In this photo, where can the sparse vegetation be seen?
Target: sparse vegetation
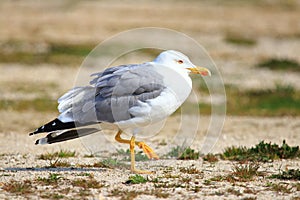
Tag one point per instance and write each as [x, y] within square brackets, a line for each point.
[234, 191]
[189, 154]
[96, 164]
[240, 172]
[59, 154]
[282, 100]
[86, 183]
[280, 64]
[279, 187]
[139, 156]
[163, 143]
[52, 196]
[89, 155]
[182, 153]
[190, 170]
[55, 53]
[126, 194]
[18, 187]
[297, 186]
[263, 152]
[278, 101]
[55, 159]
[66, 154]
[112, 162]
[136, 179]
[240, 40]
[84, 192]
[64, 54]
[290, 174]
[32, 87]
[245, 172]
[90, 175]
[57, 162]
[52, 179]
[210, 158]
[40, 104]
[175, 152]
[106, 163]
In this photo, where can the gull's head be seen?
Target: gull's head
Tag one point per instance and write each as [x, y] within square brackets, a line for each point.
[180, 61]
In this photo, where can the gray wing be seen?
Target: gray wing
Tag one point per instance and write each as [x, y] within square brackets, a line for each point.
[120, 88]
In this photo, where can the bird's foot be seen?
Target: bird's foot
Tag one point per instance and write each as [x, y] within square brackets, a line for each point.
[148, 151]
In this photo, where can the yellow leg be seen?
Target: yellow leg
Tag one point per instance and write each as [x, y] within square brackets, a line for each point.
[121, 140]
[132, 155]
[149, 152]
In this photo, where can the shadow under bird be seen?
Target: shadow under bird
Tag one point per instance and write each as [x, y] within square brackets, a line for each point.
[127, 97]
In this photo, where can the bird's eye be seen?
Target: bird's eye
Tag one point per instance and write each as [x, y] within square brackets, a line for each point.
[180, 61]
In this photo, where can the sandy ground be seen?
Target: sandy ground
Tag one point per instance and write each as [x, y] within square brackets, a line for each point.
[275, 26]
[19, 161]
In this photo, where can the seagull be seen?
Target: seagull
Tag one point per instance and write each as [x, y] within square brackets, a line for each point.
[127, 97]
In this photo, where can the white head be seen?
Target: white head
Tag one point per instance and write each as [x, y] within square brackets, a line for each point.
[179, 60]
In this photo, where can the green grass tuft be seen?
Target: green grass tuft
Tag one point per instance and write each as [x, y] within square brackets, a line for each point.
[182, 153]
[66, 154]
[263, 152]
[240, 172]
[235, 153]
[245, 172]
[189, 154]
[136, 179]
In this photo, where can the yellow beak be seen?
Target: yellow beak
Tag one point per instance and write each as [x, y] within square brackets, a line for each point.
[200, 70]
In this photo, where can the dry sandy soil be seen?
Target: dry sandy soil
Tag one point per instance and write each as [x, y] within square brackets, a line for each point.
[275, 26]
[20, 161]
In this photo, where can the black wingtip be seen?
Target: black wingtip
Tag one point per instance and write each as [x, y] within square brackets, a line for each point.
[38, 130]
[53, 125]
[64, 136]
